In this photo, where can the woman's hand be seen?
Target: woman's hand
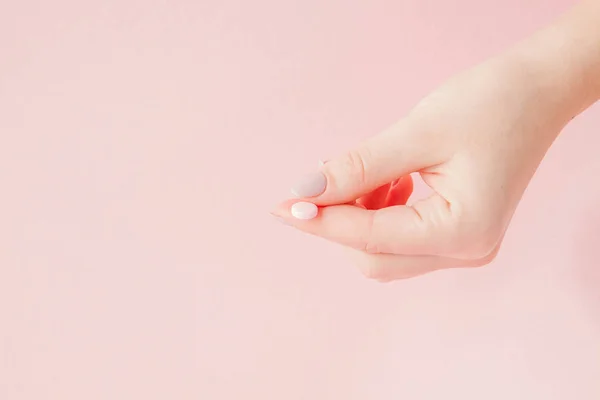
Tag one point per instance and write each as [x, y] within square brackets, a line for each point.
[476, 141]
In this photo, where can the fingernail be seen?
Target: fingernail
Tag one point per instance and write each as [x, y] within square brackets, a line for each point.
[310, 186]
[304, 210]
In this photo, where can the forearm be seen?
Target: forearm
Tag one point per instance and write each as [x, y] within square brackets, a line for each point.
[564, 60]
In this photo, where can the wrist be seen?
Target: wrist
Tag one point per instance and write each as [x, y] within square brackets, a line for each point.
[563, 61]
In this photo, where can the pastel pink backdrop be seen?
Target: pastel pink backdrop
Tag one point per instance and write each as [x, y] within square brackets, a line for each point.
[142, 146]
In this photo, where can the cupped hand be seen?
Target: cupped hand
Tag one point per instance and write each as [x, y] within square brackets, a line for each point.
[476, 142]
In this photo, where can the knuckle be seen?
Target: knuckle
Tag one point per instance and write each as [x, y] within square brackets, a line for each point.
[371, 248]
[371, 268]
[356, 164]
[375, 272]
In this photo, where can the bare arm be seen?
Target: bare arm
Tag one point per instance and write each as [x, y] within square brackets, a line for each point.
[565, 58]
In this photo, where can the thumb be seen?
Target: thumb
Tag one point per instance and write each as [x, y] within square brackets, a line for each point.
[398, 151]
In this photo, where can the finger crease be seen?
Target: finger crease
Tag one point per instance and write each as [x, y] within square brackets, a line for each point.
[359, 163]
[369, 246]
[418, 214]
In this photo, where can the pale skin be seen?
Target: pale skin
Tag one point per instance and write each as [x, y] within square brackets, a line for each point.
[476, 141]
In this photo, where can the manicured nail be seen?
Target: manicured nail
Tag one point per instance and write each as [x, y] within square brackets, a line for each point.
[304, 210]
[310, 186]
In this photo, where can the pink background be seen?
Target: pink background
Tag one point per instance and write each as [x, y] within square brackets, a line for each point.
[142, 146]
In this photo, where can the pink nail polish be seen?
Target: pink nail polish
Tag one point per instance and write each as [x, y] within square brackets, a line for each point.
[310, 186]
[304, 210]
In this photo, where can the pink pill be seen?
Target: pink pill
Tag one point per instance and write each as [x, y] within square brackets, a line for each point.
[304, 210]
